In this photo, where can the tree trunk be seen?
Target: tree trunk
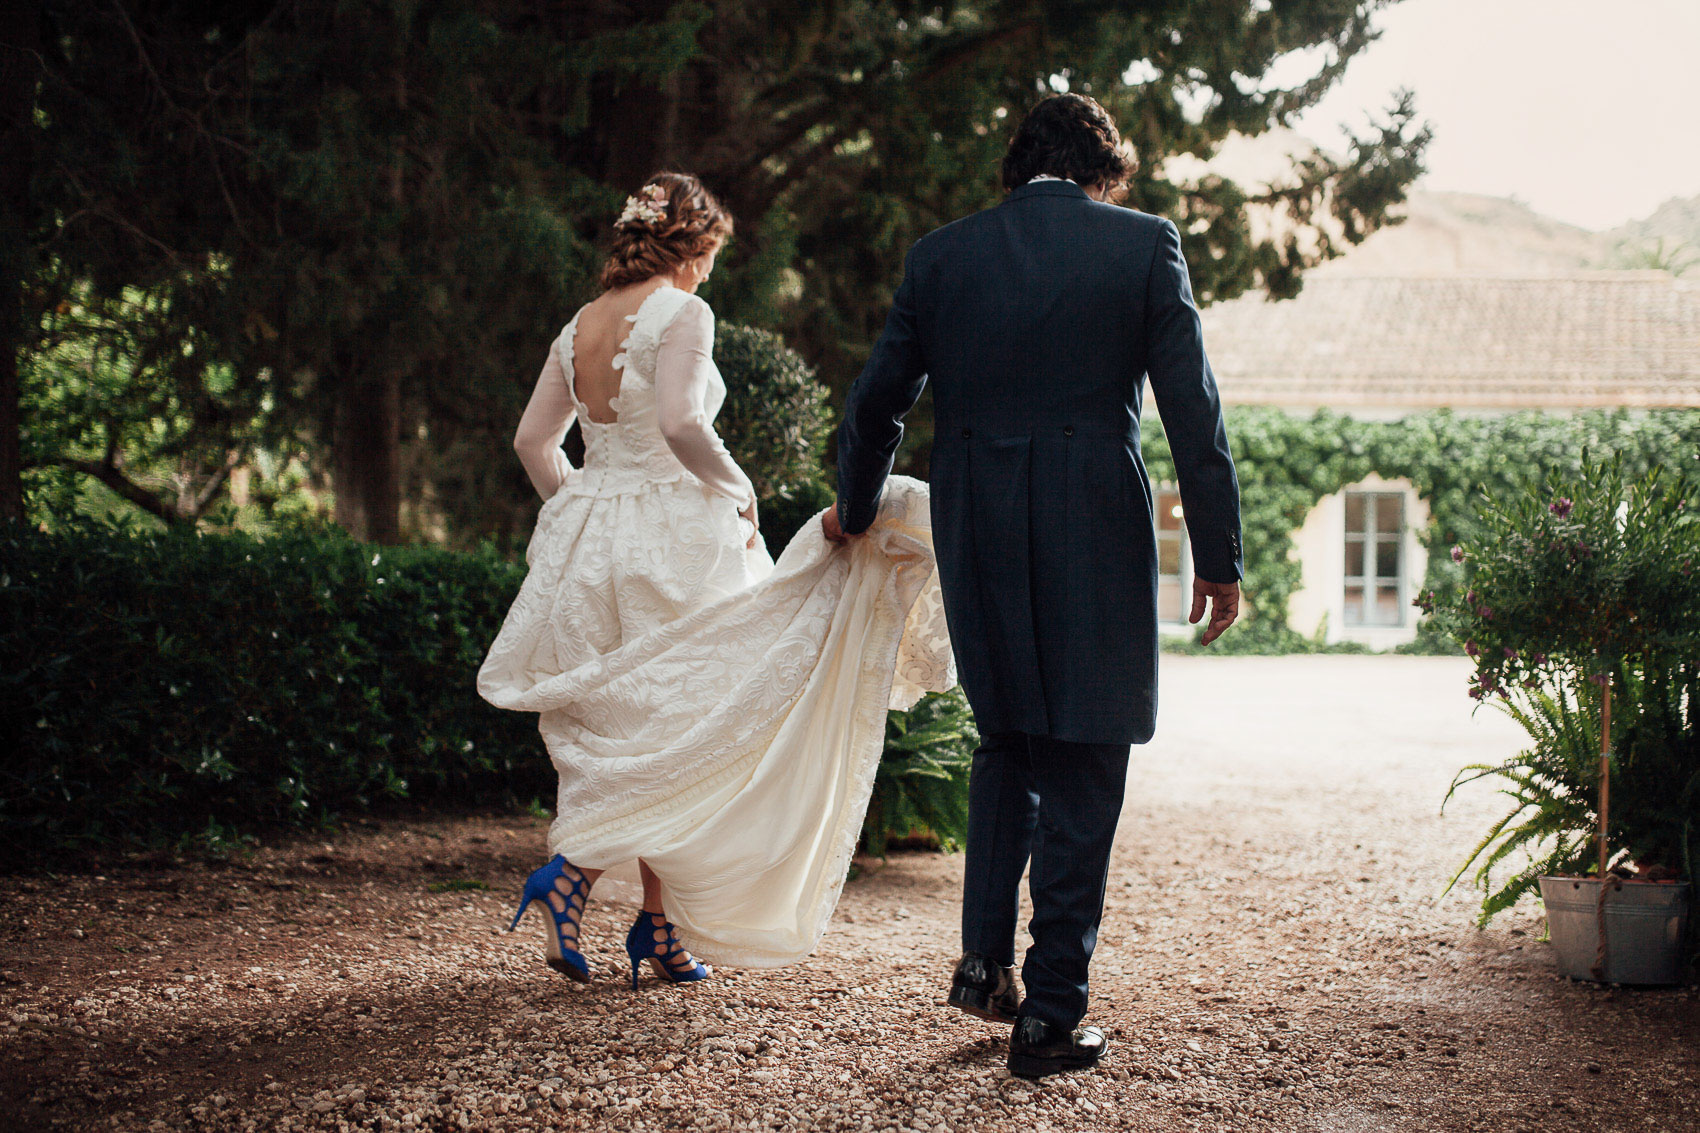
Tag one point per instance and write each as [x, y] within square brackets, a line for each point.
[366, 432]
[366, 452]
[11, 414]
[20, 68]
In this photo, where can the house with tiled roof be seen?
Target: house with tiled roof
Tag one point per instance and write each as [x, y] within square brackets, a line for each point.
[1379, 346]
[1384, 347]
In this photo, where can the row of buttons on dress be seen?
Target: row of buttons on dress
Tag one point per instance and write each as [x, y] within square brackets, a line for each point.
[1067, 431]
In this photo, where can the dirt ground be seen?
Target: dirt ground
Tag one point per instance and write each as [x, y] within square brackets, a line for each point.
[1275, 955]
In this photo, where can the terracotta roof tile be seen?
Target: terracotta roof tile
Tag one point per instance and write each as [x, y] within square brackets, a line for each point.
[1628, 338]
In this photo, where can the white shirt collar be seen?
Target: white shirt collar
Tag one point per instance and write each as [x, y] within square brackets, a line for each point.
[1048, 177]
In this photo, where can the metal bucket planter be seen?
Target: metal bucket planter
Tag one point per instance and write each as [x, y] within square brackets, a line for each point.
[1645, 922]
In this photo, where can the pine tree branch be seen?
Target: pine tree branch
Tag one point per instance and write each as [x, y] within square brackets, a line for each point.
[108, 473]
[95, 210]
[147, 59]
[856, 106]
[193, 118]
[971, 49]
[209, 491]
[801, 166]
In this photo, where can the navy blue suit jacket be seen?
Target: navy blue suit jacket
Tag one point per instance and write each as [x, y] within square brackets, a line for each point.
[1038, 322]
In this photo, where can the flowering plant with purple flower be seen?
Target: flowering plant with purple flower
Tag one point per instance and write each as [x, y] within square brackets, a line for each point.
[1573, 594]
[1572, 579]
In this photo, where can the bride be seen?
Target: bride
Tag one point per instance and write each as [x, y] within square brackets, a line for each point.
[711, 714]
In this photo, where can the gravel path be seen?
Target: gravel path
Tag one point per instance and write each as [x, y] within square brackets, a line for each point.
[1275, 955]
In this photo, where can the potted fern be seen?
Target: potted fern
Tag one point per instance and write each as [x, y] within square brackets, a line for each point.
[1580, 605]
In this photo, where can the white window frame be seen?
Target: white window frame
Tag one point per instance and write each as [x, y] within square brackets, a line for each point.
[1371, 537]
[1185, 577]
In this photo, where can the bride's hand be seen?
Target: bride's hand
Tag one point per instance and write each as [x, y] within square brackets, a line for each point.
[749, 513]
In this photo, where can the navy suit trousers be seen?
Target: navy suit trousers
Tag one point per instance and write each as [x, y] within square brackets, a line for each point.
[1055, 803]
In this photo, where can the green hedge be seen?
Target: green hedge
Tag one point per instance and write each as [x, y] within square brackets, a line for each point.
[164, 687]
[181, 690]
[1287, 463]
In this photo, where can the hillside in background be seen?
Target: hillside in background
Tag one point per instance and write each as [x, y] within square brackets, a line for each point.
[1671, 235]
[1471, 234]
[1450, 233]
[1676, 219]
[1467, 233]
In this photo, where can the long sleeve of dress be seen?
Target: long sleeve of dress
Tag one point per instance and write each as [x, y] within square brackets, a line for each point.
[682, 368]
[544, 424]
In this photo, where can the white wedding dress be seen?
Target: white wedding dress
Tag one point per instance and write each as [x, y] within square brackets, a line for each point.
[711, 712]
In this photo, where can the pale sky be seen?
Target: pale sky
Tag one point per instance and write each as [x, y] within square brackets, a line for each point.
[1589, 110]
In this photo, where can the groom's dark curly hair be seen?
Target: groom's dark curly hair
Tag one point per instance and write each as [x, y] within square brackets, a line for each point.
[1072, 136]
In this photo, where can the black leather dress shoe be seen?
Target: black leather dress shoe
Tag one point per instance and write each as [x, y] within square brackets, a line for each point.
[984, 988]
[1036, 1048]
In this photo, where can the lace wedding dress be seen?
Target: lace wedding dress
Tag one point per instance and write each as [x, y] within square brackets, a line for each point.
[714, 713]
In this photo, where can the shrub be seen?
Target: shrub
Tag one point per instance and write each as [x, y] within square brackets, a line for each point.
[775, 423]
[1579, 592]
[159, 685]
[783, 516]
[921, 789]
[1566, 581]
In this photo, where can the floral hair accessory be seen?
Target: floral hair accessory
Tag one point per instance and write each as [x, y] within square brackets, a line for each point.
[648, 208]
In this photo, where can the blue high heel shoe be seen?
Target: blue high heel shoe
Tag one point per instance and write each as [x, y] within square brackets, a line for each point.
[538, 888]
[641, 945]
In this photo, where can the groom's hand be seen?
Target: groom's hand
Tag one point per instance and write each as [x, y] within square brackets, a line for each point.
[1224, 600]
[831, 528]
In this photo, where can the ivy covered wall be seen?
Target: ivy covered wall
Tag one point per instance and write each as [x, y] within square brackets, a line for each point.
[1287, 463]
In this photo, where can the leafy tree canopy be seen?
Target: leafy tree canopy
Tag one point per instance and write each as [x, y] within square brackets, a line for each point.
[840, 137]
[384, 210]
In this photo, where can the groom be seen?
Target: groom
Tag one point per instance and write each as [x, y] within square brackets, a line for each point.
[1038, 322]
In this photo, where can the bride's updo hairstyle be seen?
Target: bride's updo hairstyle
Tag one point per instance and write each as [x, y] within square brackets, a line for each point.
[672, 220]
[1073, 137]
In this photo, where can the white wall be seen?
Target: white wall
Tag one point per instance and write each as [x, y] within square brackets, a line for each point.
[1319, 546]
